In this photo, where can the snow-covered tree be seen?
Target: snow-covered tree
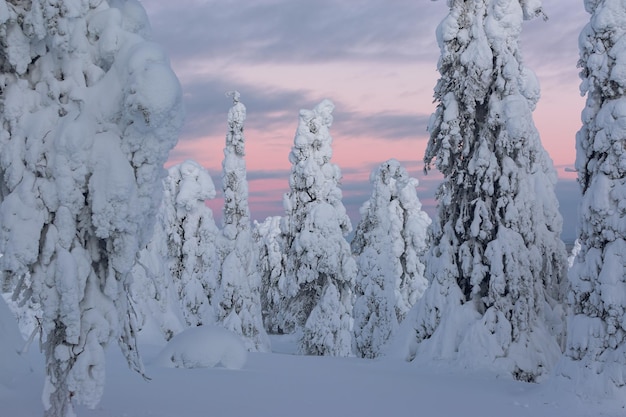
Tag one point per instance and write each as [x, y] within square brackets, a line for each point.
[595, 356]
[389, 240]
[320, 269]
[238, 301]
[192, 239]
[84, 134]
[496, 262]
[176, 275]
[267, 236]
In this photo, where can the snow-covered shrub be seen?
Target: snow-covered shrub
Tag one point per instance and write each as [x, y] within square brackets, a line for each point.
[90, 110]
[237, 300]
[389, 240]
[496, 264]
[203, 347]
[320, 269]
[595, 356]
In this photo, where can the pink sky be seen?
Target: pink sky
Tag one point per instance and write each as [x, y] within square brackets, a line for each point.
[375, 62]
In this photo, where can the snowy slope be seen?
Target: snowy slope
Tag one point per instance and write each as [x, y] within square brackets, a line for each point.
[282, 384]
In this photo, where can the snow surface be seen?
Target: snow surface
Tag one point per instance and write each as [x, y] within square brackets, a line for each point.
[283, 384]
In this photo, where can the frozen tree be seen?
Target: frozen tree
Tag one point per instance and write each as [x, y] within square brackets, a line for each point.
[267, 236]
[496, 262]
[319, 269]
[192, 239]
[84, 134]
[595, 356]
[177, 272]
[238, 302]
[388, 242]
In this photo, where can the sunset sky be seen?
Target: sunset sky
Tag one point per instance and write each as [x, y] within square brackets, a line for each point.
[375, 59]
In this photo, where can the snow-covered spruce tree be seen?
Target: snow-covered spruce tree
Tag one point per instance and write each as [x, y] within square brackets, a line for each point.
[192, 239]
[186, 239]
[388, 242]
[595, 356]
[238, 301]
[496, 262]
[84, 134]
[320, 269]
[267, 236]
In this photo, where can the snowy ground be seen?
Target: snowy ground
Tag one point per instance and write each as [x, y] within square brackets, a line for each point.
[282, 384]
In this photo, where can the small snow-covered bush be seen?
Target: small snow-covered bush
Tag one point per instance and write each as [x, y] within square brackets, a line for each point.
[204, 347]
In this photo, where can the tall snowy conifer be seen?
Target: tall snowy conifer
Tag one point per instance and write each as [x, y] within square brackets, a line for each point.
[238, 302]
[496, 262]
[595, 356]
[84, 134]
[388, 242]
[320, 270]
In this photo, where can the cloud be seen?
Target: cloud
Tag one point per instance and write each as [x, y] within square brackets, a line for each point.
[207, 105]
[271, 108]
[295, 30]
[385, 126]
[220, 45]
[278, 174]
[551, 47]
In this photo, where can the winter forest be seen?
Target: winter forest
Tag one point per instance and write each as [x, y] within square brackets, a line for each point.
[101, 245]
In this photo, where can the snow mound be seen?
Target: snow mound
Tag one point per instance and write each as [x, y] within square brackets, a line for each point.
[203, 347]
